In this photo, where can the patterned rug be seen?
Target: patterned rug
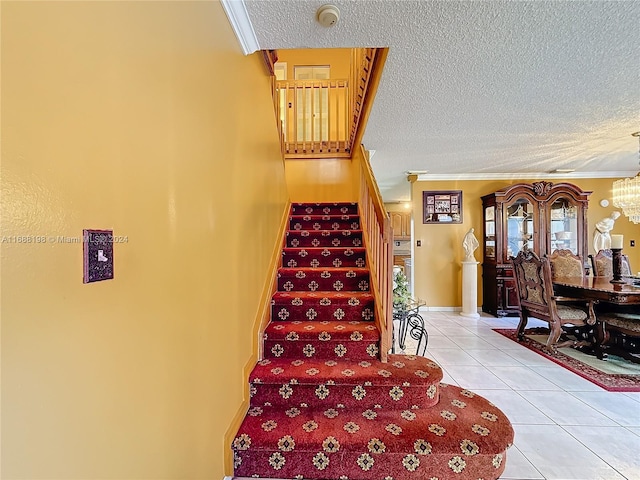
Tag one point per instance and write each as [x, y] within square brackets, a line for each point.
[324, 406]
[614, 374]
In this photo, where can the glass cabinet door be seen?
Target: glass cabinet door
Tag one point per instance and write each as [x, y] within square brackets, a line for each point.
[564, 225]
[490, 232]
[520, 227]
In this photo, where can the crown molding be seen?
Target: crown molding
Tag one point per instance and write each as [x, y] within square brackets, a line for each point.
[523, 176]
[239, 18]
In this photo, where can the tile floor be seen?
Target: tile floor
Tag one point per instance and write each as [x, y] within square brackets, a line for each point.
[566, 427]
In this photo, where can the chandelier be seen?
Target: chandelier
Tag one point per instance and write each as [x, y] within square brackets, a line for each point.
[626, 193]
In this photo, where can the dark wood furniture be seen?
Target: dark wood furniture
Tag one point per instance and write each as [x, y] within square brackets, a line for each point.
[540, 217]
[618, 314]
[602, 264]
[536, 297]
[564, 263]
[619, 334]
[598, 288]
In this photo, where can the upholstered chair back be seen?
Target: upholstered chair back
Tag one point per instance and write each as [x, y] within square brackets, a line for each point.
[564, 263]
[602, 263]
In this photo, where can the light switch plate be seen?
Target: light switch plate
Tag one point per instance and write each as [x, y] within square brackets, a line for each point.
[98, 255]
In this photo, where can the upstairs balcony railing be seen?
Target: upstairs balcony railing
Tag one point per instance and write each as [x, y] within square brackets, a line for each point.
[321, 118]
[314, 117]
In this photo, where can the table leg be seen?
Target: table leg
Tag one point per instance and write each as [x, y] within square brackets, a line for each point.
[602, 337]
[402, 332]
[418, 332]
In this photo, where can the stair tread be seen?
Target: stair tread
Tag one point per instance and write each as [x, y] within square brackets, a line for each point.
[325, 232]
[293, 270]
[334, 329]
[348, 250]
[324, 222]
[402, 370]
[324, 204]
[461, 423]
[323, 331]
[324, 216]
[317, 238]
[331, 295]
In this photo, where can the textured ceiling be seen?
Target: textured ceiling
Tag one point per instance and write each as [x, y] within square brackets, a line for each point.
[473, 89]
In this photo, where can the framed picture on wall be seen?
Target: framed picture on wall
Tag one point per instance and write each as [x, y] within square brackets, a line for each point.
[442, 207]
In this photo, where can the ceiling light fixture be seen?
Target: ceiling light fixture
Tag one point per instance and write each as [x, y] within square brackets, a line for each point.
[563, 170]
[626, 193]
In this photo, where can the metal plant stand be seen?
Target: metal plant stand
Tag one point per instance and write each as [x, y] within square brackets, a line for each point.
[410, 321]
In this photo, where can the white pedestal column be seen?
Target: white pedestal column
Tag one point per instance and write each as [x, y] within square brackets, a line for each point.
[470, 289]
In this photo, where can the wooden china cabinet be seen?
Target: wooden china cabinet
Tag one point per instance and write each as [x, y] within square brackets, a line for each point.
[539, 216]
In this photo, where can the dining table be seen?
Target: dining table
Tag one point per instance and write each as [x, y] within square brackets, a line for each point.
[610, 297]
[600, 289]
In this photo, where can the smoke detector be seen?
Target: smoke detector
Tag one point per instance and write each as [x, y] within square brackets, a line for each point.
[328, 15]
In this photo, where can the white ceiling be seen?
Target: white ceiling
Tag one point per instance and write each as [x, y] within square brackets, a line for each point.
[478, 89]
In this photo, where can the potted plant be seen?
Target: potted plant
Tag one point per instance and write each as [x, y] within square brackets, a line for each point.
[401, 294]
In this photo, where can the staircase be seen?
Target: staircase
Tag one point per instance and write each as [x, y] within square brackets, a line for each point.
[323, 405]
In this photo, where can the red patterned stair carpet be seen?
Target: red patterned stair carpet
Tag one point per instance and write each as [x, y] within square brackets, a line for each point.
[323, 406]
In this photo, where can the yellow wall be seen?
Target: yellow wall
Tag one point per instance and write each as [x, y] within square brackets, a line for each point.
[323, 180]
[436, 264]
[144, 118]
[398, 207]
[339, 59]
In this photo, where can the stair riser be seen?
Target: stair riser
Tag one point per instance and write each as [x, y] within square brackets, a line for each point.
[341, 464]
[317, 258]
[323, 239]
[355, 351]
[286, 311]
[323, 281]
[324, 209]
[342, 396]
[322, 330]
[324, 223]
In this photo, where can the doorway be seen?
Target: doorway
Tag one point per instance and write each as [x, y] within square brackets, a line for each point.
[312, 104]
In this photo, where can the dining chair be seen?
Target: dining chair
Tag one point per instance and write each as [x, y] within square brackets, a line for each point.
[602, 263]
[564, 263]
[621, 332]
[534, 286]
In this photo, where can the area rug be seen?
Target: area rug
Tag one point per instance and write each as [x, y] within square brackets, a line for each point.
[613, 374]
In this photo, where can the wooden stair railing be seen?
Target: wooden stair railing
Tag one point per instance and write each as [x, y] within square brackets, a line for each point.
[377, 235]
[362, 64]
